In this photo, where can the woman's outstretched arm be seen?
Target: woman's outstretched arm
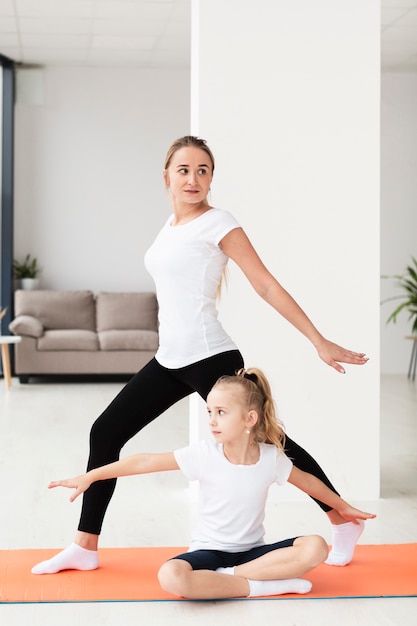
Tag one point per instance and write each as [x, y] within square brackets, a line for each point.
[238, 247]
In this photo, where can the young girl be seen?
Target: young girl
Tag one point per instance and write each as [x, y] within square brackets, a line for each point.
[227, 556]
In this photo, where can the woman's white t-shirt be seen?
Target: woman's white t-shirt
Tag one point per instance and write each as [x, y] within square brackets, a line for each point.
[186, 264]
[233, 497]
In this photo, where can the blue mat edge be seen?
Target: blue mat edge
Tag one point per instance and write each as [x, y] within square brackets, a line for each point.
[303, 598]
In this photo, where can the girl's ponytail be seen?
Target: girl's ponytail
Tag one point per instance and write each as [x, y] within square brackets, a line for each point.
[257, 395]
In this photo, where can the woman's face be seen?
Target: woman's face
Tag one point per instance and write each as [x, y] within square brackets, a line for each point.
[189, 175]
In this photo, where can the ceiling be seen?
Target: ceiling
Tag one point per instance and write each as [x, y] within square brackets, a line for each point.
[148, 33]
[399, 35]
[132, 33]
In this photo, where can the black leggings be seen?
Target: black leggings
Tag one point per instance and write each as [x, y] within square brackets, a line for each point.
[148, 394]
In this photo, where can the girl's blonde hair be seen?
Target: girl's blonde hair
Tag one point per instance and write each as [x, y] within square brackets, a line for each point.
[256, 395]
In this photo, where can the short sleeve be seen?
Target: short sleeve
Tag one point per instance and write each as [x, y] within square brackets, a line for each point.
[220, 223]
[283, 468]
[191, 459]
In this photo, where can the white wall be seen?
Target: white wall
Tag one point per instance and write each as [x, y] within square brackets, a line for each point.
[398, 207]
[90, 146]
[288, 98]
[89, 198]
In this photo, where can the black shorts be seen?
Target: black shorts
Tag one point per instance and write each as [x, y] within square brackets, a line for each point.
[212, 559]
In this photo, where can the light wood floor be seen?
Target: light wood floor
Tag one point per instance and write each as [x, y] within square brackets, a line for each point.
[46, 425]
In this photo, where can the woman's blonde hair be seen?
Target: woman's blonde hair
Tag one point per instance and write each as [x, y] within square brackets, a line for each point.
[256, 395]
[183, 142]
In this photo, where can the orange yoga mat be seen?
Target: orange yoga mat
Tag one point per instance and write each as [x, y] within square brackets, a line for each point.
[130, 574]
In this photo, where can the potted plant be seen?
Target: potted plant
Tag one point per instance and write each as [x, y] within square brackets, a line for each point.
[408, 283]
[27, 272]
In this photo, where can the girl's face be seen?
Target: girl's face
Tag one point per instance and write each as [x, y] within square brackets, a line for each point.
[189, 175]
[228, 418]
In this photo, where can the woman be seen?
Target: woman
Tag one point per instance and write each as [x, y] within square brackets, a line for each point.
[228, 556]
[186, 261]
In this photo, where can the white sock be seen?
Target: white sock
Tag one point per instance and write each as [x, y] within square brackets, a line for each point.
[344, 538]
[73, 557]
[226, 570]
[278, 587]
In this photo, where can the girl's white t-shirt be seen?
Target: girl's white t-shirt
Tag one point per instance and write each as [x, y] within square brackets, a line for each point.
[186, 264]
[233, 497]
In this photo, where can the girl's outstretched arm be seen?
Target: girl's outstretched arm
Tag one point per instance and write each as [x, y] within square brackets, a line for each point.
[137, 464]
[315, 488]
[238, 247]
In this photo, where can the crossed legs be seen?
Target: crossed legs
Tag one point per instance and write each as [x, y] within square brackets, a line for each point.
[274, 573]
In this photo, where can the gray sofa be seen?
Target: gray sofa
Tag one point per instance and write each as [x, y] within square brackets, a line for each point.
[76, 332]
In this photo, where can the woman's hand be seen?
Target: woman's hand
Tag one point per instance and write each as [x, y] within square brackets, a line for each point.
[333, 355]
[79, 483]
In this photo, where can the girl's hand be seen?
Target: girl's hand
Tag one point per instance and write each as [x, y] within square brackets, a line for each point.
[350, 514]
[79, 483]
[333, 355]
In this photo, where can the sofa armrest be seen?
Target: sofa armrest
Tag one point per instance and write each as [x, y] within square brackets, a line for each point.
[26, 325]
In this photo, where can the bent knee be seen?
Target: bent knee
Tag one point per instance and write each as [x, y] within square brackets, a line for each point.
[315, 549]
[174, 575]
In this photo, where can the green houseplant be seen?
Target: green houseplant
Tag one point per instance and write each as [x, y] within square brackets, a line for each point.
[407, 282]
[27, 272]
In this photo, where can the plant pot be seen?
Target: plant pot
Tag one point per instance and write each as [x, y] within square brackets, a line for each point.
[29, 283]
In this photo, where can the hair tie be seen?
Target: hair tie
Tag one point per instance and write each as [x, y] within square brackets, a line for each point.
[252, 377]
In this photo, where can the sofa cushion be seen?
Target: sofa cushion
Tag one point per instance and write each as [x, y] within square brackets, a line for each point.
[128, 340]
[26, 325]
[58, 309]
[126, 311]
[74, 340]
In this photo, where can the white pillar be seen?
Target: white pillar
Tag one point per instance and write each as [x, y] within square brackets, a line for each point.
[286, 92]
